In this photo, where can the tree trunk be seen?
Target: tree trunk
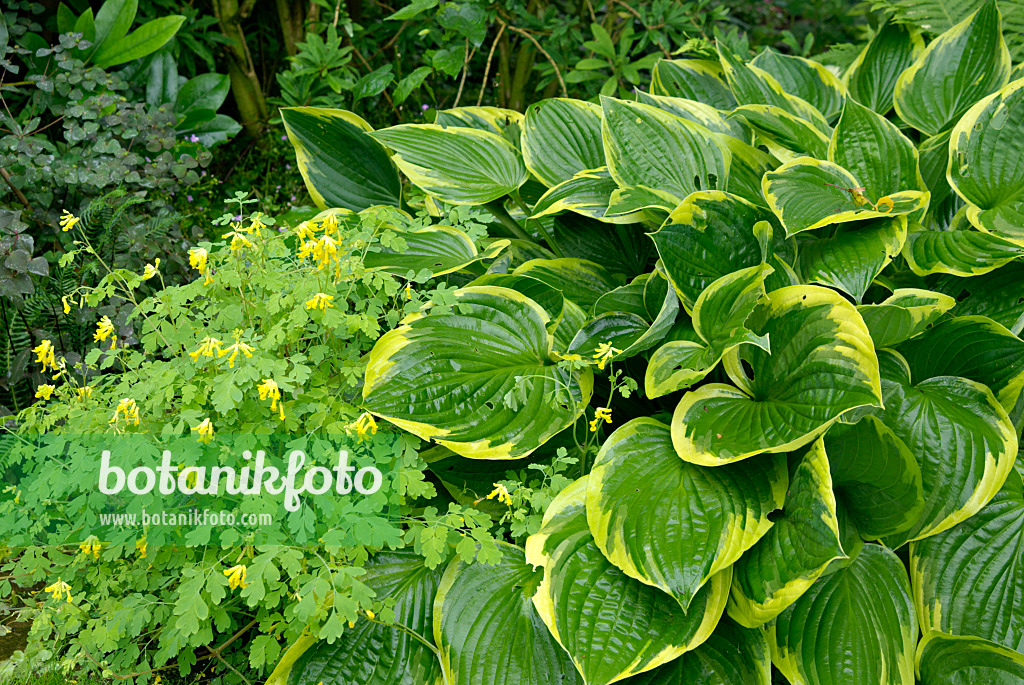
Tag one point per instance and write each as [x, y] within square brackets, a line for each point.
[245, 84]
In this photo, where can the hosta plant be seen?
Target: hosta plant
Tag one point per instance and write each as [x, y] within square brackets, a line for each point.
[813, 280]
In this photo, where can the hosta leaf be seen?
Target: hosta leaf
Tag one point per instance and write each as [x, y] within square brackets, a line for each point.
[612, 625]
[340, 163]
[587, 193]
[985, 166]
[853, 256]
[688, 522]
[933, 159]
[951, 660]
[444, 377]
[733, 655]
[580, 280]
[506, 123]
[706, 237]
[462, 166]
[441, 249]
[969, 580]
[998, 295]
[875, 476]
[907, 312]
[808, 193]
[561, 138]
[960, 253]
[794, 553]
[963, 441]
[625, 250]
[647, 147]
[721, 311]
[697, 112]
[964, 64]
[546, 296]
[372, 653]
[807, 80]
[972, 347]
[785, 135]
[822, 364]
[874, 151]
[487, 628]
[677, 365]
[854, 627]
[871, 78]
[693, 79]
[747, 166]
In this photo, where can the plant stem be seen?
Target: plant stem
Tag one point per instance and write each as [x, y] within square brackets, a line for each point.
[552, 245]
[495, 208]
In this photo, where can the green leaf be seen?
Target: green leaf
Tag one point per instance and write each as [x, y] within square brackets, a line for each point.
[579, 280]
[506, 123]
[612, 626]
[996, 295]
[143, 41]
[906, 313]
[747, 167]
[444, 376]
[785, 135]
[688, 522]
[960, 253]
[871, 78]
[487, 628]
[854, 627]
[693, 79]
[372, 84]
[405, 87]
[853, 256]
[341, 165]
[805, 79]
[677, 365]
[65, 20]
[958, 68]
[822, 364]
[206, 91]
[412, 10]
[456, 165]
[783, 564]
[114, 19]
[465, 19]
[697, 112]
[440, 249]
[950, 660]
[86, 25]
[587, 193]
[562, 138]
[721, 311]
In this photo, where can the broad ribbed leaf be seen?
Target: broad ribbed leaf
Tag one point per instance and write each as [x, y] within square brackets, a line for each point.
[613, 626]
[786, 135]
[958, 68]
[340, 163]
[488, 630]
[580, 280]
[721, 311]
[747, 167]
[506, 123]
[693, 79]
[697, 112]
[871, 78]
[677, 365]
[587, 193]
[850, 259]
[822, 364]
[462, 166]
[948, 660]
[969, 580]
[854, 627]
[996, 295]
[688, 522]
[141, 42]
[960, 253]
[794, 553]
[440, 249]
[444, 377]
[904, 314]
[807, 80]
[561, 138]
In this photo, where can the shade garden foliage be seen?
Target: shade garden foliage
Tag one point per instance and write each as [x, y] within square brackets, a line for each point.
[784, 306]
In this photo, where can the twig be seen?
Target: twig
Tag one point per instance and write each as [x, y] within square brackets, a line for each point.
[465, 70]
[565, 93]
[17, 192]
[487, 68]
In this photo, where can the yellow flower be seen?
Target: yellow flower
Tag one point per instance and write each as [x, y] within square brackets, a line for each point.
[157, 680]
[320, 301]
[236, 576]
[68, 221]
[44, 355]
[85, 392]
[604, 354]
[370, 615]
[408, 290]
[304, 231]
[324, 252]
[364, 426]
[197, 258]
[127, 408]
[151, 270]
[59, 588]
[307, 249]
[329, 223]
[103, 329]
[501, 492]
[602, 413]
[885, 204]
[67, 307]
[256, 224]
[567, 357]
[45, 391]
[268, 388]
[205, 430]
[91, 546]
[140, 547]
[239, 346]
[207, 347]
[238, 241]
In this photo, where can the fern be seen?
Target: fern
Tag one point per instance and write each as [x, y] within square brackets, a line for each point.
[935, 16]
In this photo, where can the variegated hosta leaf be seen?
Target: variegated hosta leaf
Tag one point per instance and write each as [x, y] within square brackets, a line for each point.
[969, 580]
[807, 80]
[875, 152]
[561, 138]
[933, 159]
[439, 249]
[747, 166]
[904, 314]
[507, 123]
[579, 280]
[461, 166]
[808, 193]
[688, 522]
[964, 64]
[708, 236]
[972, 347]
[786, 135]
[856, 626]
[372, 653]
[488, 630]
[963, 441]
[822, 364]
[996, 295]
[648, 148]
[794, 553]
[985, 166]
[612, 625]
[853, 256]
[733, 655]
[341, 165]
[677, 365]
[693, 79]
[875, 476]
[697, 112]
[960, 253]
[871, 78]
[587, 193]
[445, 376]
[951, 660]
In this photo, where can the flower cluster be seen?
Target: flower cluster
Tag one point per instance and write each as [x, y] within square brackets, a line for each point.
[236, 576]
